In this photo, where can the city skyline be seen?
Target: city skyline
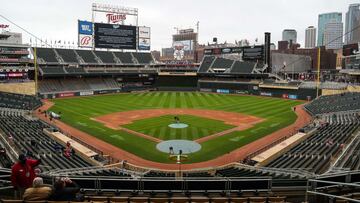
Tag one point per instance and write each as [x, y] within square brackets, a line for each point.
[51, 24]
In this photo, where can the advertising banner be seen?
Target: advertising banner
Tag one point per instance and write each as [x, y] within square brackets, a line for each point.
[85, 34]
[144, 38]
[144, 44]
[85, 27]
[293, 96]
[224, 91]
[268, 94]
[144, 32]
[15, 74]
[67, 94]
[85, 40]
[86, 93]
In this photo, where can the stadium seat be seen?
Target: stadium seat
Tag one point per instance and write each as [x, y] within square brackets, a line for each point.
[159, 200]
[276, 200]
[238, 200]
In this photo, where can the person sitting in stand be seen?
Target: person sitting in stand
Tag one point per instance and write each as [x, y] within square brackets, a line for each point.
[65, 190]
[68, 150]
[38, 192]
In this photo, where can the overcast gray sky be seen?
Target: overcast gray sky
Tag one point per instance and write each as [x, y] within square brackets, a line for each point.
[229, 20]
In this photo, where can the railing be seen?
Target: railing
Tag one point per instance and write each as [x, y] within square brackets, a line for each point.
[67, 172]
[312, 189]
[174, 185]
[294, 172]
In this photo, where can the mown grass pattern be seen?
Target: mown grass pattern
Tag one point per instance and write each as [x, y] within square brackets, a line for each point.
[78, 111]
[197, 127]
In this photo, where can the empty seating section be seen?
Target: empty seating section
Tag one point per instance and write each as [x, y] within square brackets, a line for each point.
[105, 56]
[314, 153]
[206, 63]
[111, 83]
[324, 85]
[18, 101]
[50, 85]
[47, 54]
[334, 103]
[50, 55]
[351, 160]
[221, 63]
[125, 57]
[102, 84]
[73, 85]
[242, 67]
[87, 56]
[143, 58]
[68, 55]
[28, 137]
[79, 84]
[53, 70]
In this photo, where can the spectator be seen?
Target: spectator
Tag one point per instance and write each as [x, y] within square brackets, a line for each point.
[65, 190]
[38, 192]
[68, 150]
[23, 174]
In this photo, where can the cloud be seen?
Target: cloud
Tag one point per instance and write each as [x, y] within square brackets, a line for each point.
[229, 20]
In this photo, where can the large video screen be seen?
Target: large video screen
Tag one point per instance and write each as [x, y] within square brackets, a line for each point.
[112, 36]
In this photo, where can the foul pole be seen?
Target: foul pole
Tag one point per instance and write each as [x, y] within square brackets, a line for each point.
[318, 73]
[36, 71]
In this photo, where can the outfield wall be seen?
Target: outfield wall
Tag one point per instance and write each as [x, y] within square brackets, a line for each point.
[254, 89]
[75, 93]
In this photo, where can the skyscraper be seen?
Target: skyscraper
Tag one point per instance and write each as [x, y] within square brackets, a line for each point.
[333, 35]
[323, 20]
[289, 35]
[310, 37]
[351, 22]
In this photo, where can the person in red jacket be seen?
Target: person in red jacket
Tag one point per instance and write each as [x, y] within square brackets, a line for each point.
[23, 173]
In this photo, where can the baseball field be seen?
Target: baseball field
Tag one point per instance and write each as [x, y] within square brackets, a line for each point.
[137, 122]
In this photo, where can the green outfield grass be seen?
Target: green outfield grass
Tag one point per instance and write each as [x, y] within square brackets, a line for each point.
[78, 111]
[198, 127]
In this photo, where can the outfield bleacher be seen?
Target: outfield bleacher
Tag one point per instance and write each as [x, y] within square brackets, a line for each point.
[47, 54]
[87, 56]
[143, 58]
[125, 57]
[78, 84]
[221, 63]
[53, 70]
[68, 55]
[206, 64]
[242, 67]
[105, 56]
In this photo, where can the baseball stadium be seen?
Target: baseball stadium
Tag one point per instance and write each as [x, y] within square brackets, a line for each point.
[115, 122]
